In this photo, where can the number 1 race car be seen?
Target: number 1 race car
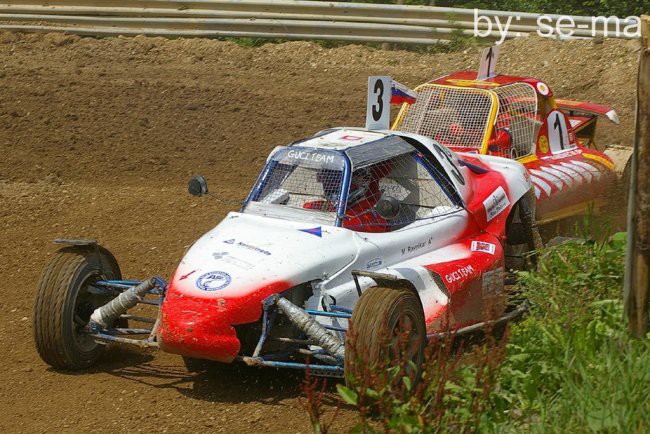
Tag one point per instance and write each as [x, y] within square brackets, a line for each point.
[520, 118]
[375, 232]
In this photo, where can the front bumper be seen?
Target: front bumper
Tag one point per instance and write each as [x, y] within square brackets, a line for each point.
[194, 328]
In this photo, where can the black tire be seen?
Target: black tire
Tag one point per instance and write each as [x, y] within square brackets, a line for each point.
[523, 239]
[211, 367]
[195, 365]
[387, 327]
[63, 306]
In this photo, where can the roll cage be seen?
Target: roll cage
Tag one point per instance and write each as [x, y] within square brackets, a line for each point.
[285, 162]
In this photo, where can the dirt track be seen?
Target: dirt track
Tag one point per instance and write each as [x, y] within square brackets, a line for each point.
[98, 138]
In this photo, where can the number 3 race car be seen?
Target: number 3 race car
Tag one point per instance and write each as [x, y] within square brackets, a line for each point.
[351, 230]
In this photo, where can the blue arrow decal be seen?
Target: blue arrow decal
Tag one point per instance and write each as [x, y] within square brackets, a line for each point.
[314, 231]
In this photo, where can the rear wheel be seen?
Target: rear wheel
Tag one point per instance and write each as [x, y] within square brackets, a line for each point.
[64, 302]
[386, 330]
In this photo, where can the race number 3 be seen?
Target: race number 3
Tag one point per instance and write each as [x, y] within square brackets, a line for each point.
[378, 105]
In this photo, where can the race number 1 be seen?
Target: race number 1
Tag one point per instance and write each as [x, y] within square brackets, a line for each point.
[378, 106]
[558, 135]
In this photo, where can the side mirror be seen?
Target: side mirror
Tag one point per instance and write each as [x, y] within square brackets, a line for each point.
[197, 186]
[388, 207]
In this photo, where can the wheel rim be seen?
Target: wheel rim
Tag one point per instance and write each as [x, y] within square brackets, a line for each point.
[406, 344]
[84, 305]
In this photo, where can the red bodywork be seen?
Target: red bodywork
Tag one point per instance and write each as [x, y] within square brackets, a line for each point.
[567, 179]
[200, 328]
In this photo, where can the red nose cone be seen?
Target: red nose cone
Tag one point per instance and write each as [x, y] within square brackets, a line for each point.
[202, 327]
[197, 327]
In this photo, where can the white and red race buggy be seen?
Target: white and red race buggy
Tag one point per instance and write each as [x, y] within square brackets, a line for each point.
[383, 228]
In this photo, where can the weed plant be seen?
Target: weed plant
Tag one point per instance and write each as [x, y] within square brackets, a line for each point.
[568, 366]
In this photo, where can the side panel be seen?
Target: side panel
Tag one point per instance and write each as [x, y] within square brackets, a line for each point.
[566, 184]
[474, 283]
[458, 284]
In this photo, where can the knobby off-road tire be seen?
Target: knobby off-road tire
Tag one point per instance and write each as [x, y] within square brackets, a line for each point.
[523, 239]
[63, 306]
[387, 327]
[211, 367]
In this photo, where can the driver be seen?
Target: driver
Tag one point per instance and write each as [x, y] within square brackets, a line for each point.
[363, 195]
[500, 142]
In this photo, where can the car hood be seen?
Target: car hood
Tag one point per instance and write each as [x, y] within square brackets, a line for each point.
[245, 254]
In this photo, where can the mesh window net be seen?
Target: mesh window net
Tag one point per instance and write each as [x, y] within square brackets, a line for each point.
[453, 116]
[382, 197]
[303, 179]
[404, 188]
[518, 114]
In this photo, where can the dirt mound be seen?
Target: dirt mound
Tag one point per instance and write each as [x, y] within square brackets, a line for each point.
[98, 137]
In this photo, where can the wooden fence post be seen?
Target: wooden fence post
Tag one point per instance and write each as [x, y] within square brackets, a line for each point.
[637, 279]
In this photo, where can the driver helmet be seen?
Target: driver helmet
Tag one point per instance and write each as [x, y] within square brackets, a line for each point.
[359, 185]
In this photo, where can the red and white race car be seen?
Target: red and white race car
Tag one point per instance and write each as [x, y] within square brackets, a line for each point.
[386, 228]
[520, 118]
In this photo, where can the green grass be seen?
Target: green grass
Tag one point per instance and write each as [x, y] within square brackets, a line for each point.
[571, 365]
[568, 366]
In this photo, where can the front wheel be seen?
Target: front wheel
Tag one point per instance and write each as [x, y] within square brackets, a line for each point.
[64, 303]
[387, 330]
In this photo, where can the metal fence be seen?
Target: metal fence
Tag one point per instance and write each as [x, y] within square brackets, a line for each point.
[284, 19]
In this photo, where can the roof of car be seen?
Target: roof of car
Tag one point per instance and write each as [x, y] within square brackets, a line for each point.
[362, 147]
[469, 79]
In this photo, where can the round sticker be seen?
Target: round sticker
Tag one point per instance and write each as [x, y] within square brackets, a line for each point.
[543, 144]
[213, 281]
[542, 88]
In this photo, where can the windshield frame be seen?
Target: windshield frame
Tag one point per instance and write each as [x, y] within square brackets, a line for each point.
[272, 162]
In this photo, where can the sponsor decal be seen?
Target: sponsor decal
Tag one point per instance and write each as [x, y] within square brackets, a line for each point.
[542, 88]
[463, 82]
[248, 247]
[227, 257]
[314, 231]
[213, 281]
[418, 246]
[482, 246]
[543, 144]
[374, 263]
[459, 274]
[310, 156]
[496, 203]
[563, 155]
[492, 281]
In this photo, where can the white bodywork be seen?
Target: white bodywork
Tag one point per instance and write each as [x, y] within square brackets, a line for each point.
[246, 250]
